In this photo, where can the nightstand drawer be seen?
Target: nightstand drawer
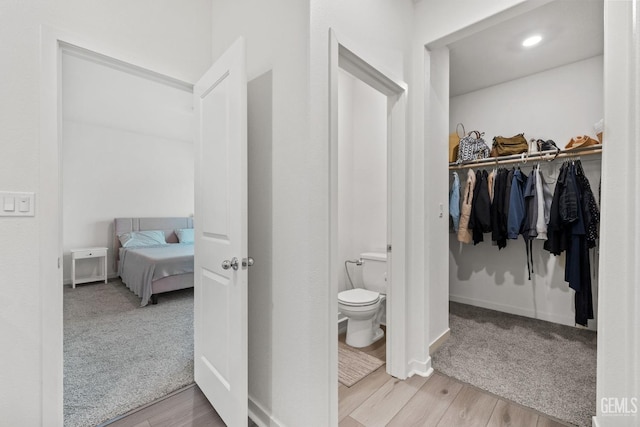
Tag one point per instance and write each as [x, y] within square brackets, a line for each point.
[89, 253]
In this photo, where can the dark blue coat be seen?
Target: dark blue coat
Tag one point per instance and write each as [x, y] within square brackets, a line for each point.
[516, 215]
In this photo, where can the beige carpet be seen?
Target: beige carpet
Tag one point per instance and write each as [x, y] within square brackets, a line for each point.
[354, 365]
[119, 356]
[541, 365]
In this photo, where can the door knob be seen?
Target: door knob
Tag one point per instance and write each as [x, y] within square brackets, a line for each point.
[226, 264]
[247, 262]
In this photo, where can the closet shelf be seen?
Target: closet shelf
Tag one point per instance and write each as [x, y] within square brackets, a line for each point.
[524, 158]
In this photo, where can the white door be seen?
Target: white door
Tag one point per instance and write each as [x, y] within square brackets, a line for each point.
[220, 104]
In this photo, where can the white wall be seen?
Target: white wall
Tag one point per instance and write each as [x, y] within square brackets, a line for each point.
[362, 174]
[618, 377]
[381, 31]
[299, 331]
[168, 36]
[260, 219]
[127, 151]
[556, 104]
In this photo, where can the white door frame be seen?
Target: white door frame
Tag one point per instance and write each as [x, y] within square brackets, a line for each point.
[49, 212]
[344, 54]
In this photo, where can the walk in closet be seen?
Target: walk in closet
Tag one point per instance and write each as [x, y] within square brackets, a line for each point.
[553, 91]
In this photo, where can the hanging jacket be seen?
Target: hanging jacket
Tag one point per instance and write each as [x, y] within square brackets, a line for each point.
[590, 207]
[498, 194]
[464, 233]
[480, 221]
[491, 181]
[569, 203]
[544, 204]
[529, 230]
[557, 234]
[498, 213]
[577, 268]
[507, 196]
[454, 202]
[516, 212]
[569, 220]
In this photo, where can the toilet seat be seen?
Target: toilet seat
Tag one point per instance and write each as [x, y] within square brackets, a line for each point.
[358, 297]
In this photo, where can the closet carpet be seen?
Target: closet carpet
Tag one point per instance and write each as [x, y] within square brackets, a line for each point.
[541, 365]
[119, 356]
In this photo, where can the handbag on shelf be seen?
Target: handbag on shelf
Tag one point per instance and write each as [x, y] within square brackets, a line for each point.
[548, 145]
[472, 147]
[454, 143]
[509, 146]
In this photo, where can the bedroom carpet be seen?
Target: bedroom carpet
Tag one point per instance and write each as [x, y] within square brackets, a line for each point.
[118, 355]
[541, 365]
[354, 365]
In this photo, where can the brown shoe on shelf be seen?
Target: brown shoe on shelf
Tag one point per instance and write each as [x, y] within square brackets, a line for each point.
[581, 141]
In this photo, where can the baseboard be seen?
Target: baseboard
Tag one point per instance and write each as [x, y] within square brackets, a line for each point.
[549, 317]
[423, 368]
[435, 345]
[260, 416]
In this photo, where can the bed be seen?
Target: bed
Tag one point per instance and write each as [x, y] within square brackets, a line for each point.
[152, 269]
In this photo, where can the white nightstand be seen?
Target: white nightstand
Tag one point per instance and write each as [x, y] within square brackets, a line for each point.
[84, 254]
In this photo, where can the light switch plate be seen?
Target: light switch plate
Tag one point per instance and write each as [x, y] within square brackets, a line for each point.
[17, 204]
[9, 204]
[24, 204]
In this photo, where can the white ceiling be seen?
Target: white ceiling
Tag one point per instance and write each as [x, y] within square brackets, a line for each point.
[571, 30]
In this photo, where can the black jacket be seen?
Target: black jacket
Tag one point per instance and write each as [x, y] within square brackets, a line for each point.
[498, 213]
[480, 221]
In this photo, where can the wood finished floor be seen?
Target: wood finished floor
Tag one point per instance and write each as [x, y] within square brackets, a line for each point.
[377, 400]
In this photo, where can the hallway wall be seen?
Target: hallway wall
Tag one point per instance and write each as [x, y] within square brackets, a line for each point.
[170, 37]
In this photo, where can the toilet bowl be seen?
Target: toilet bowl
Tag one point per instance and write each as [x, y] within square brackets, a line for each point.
[364, 306]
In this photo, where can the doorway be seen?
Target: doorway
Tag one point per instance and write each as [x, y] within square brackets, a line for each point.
[480, 277]
[50, 202]
[122, 132]
[348, 59]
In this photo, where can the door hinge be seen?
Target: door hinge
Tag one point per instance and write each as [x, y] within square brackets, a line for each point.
[58, 262]
[388, 248]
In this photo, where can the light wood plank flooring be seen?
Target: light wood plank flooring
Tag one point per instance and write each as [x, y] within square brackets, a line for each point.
[187, 407]
[377, 400]
[437, 401]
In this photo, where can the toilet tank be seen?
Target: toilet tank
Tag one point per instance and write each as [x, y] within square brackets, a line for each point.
[374, 271]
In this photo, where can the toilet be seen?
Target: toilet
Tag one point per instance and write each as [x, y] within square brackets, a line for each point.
[364, 306]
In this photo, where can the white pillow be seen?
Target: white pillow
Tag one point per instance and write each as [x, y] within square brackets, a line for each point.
[137, 239]
[185, 235]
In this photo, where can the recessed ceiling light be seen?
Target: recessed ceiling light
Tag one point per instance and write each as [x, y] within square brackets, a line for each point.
[531, 41]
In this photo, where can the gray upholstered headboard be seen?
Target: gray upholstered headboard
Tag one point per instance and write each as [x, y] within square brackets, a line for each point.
[168, 225]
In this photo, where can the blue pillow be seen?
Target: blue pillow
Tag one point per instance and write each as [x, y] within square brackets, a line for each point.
[138, 239]
[185, 235]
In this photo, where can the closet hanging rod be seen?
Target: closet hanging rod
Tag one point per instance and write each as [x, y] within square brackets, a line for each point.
[533, 157]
